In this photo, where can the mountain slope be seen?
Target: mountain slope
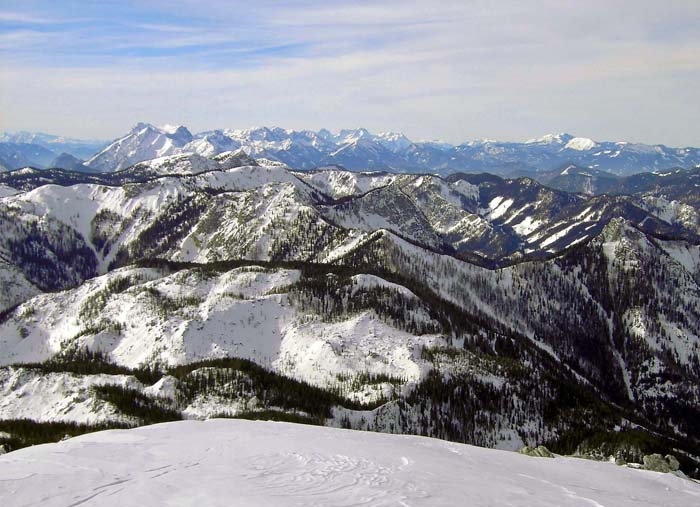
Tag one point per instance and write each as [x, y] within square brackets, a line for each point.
[264, 463]
[476, 309]
[16, 155]
[322, 325]
[144, 142]
[69, 162]
[586, 180]
[189, 208]
[79, 148]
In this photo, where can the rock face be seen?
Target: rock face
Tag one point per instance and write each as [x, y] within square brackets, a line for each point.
[672, 462]
[538, 452]
[659, 463]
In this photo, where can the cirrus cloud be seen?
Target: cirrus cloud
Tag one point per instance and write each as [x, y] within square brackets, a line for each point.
[453, 70]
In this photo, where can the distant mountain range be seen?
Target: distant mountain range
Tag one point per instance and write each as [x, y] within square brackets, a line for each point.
[675, 183]
[356, 150]
[22, 149]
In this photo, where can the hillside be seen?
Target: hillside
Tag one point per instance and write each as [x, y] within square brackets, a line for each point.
[491, 311]
[222, 462]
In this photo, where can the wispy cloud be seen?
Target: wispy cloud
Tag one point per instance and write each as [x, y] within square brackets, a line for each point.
[450, 69]
[23, 17]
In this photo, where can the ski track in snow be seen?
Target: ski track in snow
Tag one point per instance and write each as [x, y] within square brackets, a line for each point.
[253, 463]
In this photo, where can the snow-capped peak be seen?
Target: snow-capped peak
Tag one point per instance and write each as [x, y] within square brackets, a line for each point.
[560, 138]
[144, 142]
[171, 129]
[346, 136]
[141, 126]
[394, 141]
[580, 144]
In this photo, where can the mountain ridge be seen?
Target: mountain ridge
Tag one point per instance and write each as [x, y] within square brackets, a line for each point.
[473, 308]
[359, 149]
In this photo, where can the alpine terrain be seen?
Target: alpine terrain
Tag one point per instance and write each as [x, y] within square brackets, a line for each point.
[542, 158]
[222, 462]
[493, 311]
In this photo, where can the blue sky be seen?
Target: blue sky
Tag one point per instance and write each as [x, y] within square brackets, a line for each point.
[453, 70]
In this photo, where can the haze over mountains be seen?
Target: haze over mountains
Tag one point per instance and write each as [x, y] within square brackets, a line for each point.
[355, 149]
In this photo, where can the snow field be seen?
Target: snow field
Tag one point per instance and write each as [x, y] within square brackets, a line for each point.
[253, 463]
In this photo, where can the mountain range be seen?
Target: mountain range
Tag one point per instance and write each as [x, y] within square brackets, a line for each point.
[356, 149]
[23, 149]
[494, 311]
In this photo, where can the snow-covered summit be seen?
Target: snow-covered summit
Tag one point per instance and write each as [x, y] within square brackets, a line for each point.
[143, 142]
[559, 138]
[173, 129]
[192, 163]
[580, 144]
[394, 141]
[253, 463]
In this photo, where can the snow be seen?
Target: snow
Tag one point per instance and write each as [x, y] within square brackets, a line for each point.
[673, 212]
[355, 239]
[685, 254]
[245, 312]
[77, 206]
[577, 241]
[14, 286]
[452, 195]
[527, 226]
[253, 463]
[583, 214]
[498, 206]
[466, 189]
[188, 163]
[319, 352]
[170, 129]
[339, 184]
[29, 394]
[580, 144]
[270, 163]
[394, 141]
[559, 138]
[6, 191]
[248, 178]
[144, 142]
[372, 281]
[307, 149]
[558, 235]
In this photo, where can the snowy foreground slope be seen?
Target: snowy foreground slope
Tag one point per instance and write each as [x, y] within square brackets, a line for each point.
[253, 463]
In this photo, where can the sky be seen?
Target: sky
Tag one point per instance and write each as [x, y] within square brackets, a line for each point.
[449, 70]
